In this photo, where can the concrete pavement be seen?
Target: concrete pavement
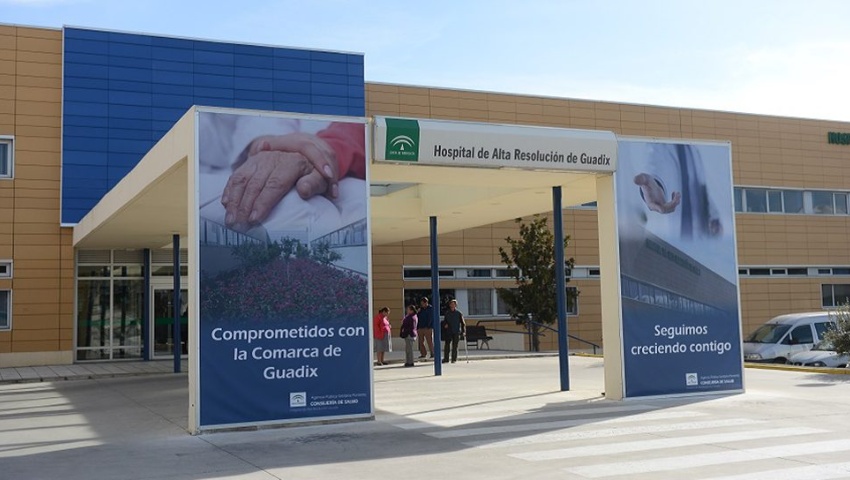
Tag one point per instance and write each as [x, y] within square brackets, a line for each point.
[487, 419]
[91, 370]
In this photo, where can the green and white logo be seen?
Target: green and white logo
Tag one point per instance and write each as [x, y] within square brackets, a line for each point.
[402, 140]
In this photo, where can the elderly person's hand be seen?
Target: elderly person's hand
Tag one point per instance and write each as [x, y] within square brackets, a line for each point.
[313, 148]
[271, 168]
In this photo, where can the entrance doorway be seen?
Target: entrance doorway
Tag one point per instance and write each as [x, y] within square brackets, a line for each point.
[162, 321]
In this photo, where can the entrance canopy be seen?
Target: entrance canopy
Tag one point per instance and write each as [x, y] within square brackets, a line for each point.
[469, 175]
[150, 204]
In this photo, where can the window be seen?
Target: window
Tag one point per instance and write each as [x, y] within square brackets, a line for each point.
[5, 309]
[793, 201]
[479, 273]
[756, 200]
[501, 306]
[822, 203]
[110, 304]
[7, 156]
[480, 301]
[774, 201]
[572, 301]
[6, 269]
[412, 296]
[834, 295]
[426, 273]
[762, 200]
[840, 203]
[823, 327]
[801, 334]
[505, 272]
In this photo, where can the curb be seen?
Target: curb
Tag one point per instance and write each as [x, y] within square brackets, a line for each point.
[88, 376]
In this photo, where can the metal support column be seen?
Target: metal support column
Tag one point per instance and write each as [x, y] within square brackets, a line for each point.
[147, 332]
[178, 350]
[561, 289]
[435, 298]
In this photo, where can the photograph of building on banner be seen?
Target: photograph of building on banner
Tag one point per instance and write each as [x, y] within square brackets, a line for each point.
[681, 328]
[283, 247]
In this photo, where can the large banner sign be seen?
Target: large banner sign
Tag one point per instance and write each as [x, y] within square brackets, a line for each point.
[678, 269]
[284, 304]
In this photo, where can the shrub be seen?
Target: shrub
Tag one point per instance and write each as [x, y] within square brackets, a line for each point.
[839, 336]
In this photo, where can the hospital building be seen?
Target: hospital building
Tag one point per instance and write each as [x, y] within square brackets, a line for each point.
[87, 272]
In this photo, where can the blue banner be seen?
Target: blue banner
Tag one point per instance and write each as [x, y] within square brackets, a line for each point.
[678, 268]
[284, 289]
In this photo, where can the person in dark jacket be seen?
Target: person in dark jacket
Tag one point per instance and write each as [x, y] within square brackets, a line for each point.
[453, 328]
[425, 330]
[408, 333]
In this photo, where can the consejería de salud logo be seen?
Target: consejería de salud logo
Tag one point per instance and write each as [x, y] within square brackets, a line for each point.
[402, 140]
[298, 399]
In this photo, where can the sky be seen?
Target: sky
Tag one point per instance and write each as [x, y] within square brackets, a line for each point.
[774, 57]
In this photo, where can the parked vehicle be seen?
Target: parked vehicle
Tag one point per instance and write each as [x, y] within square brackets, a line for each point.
[821, 355]
[784, 335]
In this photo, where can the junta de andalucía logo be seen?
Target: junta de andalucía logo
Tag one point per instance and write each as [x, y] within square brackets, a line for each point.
[402, 139]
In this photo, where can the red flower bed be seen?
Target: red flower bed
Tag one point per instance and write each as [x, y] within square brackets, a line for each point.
[294, 289]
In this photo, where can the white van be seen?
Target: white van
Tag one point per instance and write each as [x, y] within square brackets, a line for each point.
[774, 341]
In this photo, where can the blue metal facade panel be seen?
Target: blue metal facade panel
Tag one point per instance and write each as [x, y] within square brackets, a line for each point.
[122, 92]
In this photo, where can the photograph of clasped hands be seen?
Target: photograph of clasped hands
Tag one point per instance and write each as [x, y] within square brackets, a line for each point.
[273, 177]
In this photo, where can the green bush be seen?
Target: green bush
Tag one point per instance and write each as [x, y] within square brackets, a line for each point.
[839, 336]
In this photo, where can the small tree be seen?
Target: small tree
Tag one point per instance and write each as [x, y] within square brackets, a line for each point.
[839, 336]
[255, 254]
[323, 254]
[531, 258]
[292, 248]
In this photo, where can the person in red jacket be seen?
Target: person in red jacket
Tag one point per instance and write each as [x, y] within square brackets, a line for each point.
[381, 333]
[273, 165]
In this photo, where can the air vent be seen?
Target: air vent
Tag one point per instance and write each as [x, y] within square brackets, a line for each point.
[128, 256]
[93, 256]
[165, 255]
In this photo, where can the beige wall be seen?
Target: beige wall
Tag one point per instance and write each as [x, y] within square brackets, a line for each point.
[43, 283]
[766, 151]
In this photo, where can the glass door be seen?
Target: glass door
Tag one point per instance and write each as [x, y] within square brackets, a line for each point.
[163, 321]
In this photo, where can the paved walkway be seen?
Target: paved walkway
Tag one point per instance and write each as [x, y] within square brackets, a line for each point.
[90, 370]
[82, 371]
[491, 420]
